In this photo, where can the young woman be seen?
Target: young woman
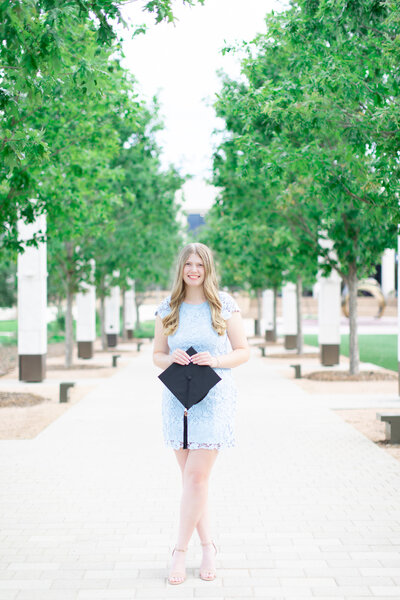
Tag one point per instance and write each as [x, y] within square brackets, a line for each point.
[197, 314]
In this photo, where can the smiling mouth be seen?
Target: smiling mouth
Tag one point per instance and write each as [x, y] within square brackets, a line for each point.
[194, 276]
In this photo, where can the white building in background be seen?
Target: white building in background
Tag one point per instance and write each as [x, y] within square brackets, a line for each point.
[196, 198]
[195, 219]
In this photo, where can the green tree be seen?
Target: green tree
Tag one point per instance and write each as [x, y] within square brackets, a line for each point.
[246, 225]
[78, 184]
[36, 41]
[313, 83]
[8, 280]
[146, 233]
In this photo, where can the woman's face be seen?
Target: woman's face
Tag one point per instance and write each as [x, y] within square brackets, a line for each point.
[193, 271]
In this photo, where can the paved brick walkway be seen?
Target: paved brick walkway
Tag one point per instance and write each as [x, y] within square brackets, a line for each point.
[305, 506]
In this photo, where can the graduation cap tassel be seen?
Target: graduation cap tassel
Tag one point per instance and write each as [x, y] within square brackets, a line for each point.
[185, 430]
[185, 423]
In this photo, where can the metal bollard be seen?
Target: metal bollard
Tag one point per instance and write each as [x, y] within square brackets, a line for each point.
[64, 390]
[297, 371]
[115, 358]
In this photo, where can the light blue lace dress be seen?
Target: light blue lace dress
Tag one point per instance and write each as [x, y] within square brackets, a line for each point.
[211, 421]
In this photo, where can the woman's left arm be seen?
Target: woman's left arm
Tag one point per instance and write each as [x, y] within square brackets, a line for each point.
[240, 347]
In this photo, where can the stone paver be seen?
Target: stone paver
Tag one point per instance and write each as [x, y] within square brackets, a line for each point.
[305, 506]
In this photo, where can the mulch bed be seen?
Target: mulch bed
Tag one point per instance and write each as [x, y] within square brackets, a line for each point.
[8, 359]
[294, 355]
[111, 351]
[364, 419]
[346, 376]
[56, 349]
[9, 356]
[8, 399]
[74, 367]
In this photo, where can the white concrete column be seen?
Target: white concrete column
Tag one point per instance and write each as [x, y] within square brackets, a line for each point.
[129, 313]
[112, 323]
[32, 304]
[329, 310]
[268, 315]
[289, 315]
[86, 320]
[388, 272]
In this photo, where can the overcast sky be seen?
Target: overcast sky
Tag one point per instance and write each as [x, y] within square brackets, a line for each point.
[179, 63]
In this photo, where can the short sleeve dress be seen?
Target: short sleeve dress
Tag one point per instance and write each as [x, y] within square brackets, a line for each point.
[211, 421]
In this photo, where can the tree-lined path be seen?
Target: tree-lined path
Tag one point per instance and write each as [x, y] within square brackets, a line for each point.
[305, 505]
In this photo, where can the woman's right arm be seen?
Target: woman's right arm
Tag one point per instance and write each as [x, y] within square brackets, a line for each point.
[161, 356]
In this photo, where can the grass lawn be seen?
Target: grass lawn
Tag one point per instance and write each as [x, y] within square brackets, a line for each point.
[146, 329]
[10, 326]
[8, 340]
[377, 349]
[55, 331]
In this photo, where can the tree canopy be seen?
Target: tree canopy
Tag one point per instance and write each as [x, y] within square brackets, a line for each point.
[79, 144]
[311, 142]
[41, 59]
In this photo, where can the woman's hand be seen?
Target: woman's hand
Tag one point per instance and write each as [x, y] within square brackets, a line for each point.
[204, 358]
[180, 356]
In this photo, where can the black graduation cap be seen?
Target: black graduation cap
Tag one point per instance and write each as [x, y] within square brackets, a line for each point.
[190, 384]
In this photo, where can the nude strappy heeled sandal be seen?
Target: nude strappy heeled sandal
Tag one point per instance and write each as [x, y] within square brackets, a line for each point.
[208, 574]
[177, 574]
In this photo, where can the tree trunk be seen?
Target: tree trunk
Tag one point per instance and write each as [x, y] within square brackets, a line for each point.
[124, 334]
[257, 323]
[299, 293]
[134, 303]
[137, 305]
[102, 324]
[354, 355]
[69, 331]
[274, 317]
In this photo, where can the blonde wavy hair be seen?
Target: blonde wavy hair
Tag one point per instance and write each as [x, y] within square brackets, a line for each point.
[210, 286]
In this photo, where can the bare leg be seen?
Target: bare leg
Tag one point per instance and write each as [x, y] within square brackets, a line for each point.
[196, 466]
[204, 523]
[207, 567]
